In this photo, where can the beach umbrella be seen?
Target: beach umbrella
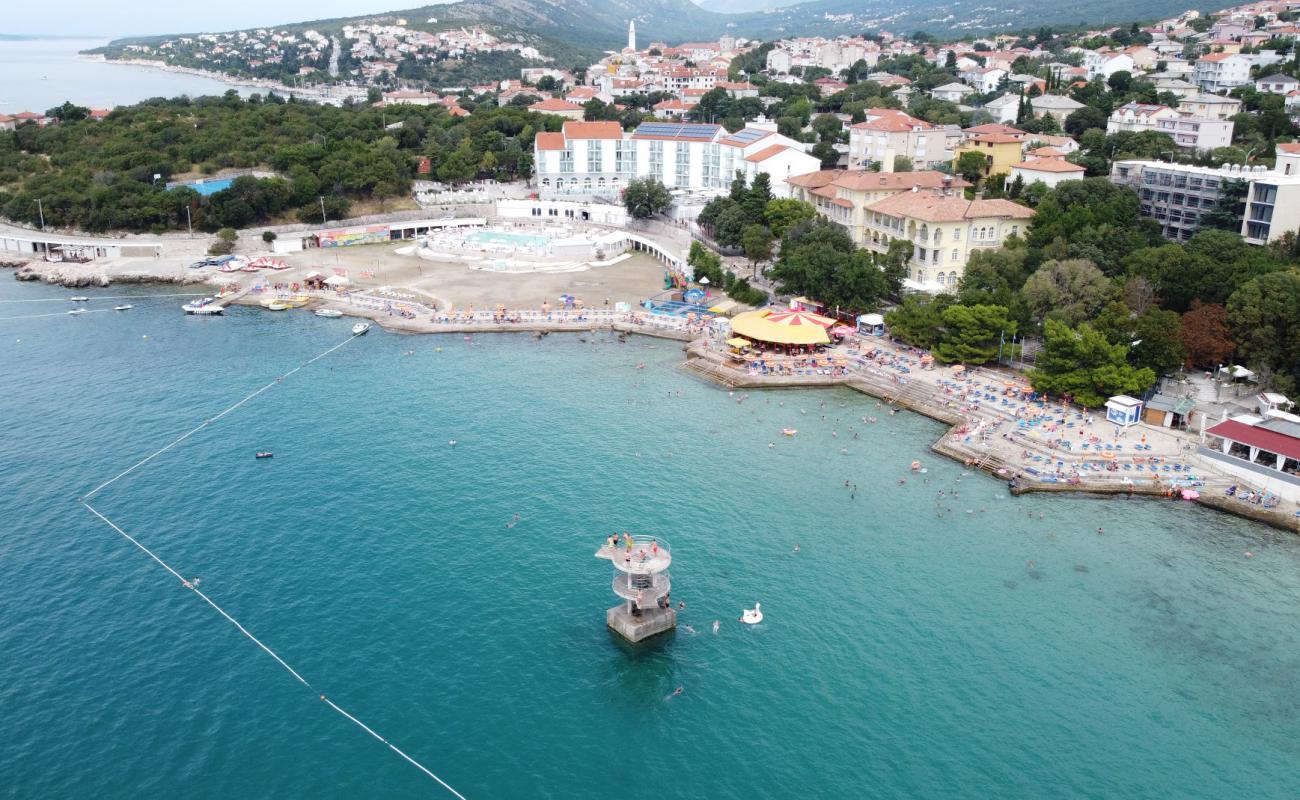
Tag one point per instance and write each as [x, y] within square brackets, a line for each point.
[843, 330]
[959, 368]
[790, 329]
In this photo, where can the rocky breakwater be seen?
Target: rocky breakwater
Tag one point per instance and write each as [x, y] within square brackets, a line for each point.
[77, 276]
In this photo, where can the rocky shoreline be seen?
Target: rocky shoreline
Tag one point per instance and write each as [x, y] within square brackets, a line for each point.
[78, 277]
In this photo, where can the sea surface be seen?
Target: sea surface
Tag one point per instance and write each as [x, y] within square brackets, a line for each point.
[1007, 648]
[39, 74]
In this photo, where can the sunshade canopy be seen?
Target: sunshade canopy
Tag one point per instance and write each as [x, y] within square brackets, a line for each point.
[780, 328]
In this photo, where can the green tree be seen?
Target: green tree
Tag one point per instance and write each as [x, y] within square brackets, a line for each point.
[1264, 315]
[1157, 341]
[705, 263]
[918, 320]
[1081, 364]
[268, 236]
[971, 165]
[646, 197]
[730, 226]
[757, 243]
[782, 214]
[972, 334]
[902, 164]
[1071, 291]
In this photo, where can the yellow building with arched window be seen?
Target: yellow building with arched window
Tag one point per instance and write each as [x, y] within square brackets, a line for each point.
[944, 229]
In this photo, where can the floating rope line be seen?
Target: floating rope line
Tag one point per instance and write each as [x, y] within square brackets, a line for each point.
[59, 314]
[209, 421]
[193, 586]
[105, 297]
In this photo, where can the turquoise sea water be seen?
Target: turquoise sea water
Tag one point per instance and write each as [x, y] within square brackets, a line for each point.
[903, 655]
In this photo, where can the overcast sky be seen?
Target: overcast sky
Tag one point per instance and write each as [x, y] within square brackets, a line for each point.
[131, 17]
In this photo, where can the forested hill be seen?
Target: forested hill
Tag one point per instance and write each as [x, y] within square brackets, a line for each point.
[569, 29]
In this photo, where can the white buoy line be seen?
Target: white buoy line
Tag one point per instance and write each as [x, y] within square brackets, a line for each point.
[103, 297]
[193, 585]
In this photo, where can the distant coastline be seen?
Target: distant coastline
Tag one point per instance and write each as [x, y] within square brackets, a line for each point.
[326, 93]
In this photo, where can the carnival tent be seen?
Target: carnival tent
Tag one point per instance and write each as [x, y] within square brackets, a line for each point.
[785, 327]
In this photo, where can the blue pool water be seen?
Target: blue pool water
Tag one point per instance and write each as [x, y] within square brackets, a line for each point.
[904, 654]
[507, 238]
[209, 186]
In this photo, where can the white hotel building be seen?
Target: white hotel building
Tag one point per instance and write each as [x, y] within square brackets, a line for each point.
[597, 159]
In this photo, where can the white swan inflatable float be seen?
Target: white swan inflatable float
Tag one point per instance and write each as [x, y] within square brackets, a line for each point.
[752, 616]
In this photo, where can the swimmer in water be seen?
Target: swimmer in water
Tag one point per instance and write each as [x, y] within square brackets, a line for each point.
[678, 691]
[689, 629]
[717, 623]
[514, 521]
[681, 606]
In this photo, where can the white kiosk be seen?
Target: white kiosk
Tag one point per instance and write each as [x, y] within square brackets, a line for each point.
[1123, 410]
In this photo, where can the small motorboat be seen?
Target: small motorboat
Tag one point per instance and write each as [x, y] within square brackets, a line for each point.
[77, 312]
[126, 307]
[789, 431]
[206, 306]
[752, 616]
[329, 313]
[277, 306]
[360, 328]
[266, 454]
[79, 299]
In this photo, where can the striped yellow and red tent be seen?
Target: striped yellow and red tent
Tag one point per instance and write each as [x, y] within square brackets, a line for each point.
[780, 327]
[799, 318]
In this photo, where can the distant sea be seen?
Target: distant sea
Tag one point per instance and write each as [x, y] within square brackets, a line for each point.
[39, 74]
[932, 639]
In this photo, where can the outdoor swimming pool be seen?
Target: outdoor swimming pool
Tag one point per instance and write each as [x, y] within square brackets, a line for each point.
[505, 238]
[209, 186]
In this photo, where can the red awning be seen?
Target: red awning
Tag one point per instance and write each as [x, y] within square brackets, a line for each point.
[1253, 436]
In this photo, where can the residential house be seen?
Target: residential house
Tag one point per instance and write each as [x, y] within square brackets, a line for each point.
[1272, 208]
[1057, 105]
[843, 195]
[672, 109]
[984, 79]
[1004, 109]
[558, 107]
[1277, 84]
[1138, 117]
[1219, 72]
[7, 123]
[951, 92]
[1210, 106]
[888, 133]
[1287, 158]
[994, 127]
[1065, 144]
[944, 228]
[1197, 134]
[1176, 86]
[1000, 151]
[1049, 170]
[1103, 64]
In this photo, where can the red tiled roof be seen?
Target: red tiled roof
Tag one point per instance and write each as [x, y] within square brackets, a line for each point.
[766, 153]
[605, 129]
[549, 141]
[1254, 436]
[554, 104]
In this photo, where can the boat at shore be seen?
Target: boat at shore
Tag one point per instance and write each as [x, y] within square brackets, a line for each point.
[205, 307]
[79, 299]
[360, 328]
[76, 312]
[277, 306]
[124, 307]
[329, 313]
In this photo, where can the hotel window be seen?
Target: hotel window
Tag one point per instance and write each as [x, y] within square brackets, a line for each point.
[954, 255]
[657, 159]
[595, 157]
[566, 160]
[683, 164]
[625, 157]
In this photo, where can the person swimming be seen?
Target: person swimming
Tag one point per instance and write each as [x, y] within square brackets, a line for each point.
[689, 629]
[796, 547]
[717, 623]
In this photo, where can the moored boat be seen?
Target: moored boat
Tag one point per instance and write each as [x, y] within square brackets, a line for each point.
[330, 313]
[125, 307]
[360, 328]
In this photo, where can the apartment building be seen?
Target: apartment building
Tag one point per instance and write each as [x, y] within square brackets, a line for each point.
[597, 159]
[1272, 207]
[1176, 195]
[1197, 134]
[1138, 117]
[1210, 106]
[843, 195]
[888, 133]
[1219, 72]
[944, 228]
